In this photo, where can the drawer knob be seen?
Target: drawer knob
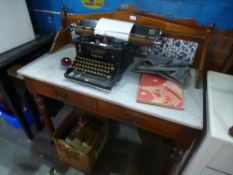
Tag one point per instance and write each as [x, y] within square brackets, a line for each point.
[230, 132]
[60, 95]
[136, 120]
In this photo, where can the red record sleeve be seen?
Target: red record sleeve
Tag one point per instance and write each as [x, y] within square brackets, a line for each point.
[157, 90]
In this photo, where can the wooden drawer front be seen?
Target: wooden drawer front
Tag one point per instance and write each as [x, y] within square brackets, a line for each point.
[62, 94]
[140, 120]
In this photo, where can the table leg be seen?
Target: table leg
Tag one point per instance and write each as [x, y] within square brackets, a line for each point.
[182, 149]
[32, 108]
[45, 115]
[174, 159]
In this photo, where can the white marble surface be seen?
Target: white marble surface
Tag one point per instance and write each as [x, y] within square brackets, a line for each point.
[220, 100]
[46, 69]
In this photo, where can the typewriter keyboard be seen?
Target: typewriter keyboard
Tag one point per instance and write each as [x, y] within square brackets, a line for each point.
[93, 67]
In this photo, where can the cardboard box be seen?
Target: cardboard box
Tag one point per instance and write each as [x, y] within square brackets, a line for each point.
[71, 156]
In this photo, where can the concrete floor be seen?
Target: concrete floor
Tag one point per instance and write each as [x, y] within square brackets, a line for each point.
[128, 151]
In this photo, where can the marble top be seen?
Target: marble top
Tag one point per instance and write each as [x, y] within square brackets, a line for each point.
[220, 105]
[47, 69]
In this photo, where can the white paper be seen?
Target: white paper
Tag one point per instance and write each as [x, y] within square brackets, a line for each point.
[114, 28]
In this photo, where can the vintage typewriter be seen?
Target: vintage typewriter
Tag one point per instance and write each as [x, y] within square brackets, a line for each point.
[101, 60]
[99, 65]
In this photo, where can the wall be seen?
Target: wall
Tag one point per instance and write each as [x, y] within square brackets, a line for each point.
[45, 13]
[204, 11]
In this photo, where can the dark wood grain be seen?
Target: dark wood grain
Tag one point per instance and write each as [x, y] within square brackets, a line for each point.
[182, 136]
[61, 94]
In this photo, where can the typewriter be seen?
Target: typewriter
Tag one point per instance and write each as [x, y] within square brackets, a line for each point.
[101, 60]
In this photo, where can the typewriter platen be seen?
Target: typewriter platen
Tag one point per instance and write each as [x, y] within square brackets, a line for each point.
[100, 61]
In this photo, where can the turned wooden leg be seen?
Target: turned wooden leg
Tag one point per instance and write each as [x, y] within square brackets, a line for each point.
[181, 151]
[44, 113]
[198, 79]
[174, 159]
[33, 110]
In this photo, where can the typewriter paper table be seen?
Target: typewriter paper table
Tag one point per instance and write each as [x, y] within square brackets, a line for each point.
[44, 77]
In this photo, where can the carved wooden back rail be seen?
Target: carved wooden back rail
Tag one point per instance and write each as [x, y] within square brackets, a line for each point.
[180, 29]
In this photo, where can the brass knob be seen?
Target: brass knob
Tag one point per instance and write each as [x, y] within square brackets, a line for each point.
[230, 131]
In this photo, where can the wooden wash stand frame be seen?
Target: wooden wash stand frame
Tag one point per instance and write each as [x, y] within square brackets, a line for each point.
[185, 29]
[183, 136]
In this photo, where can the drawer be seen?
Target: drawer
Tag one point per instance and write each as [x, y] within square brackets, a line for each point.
[137, 119]
[62, 94]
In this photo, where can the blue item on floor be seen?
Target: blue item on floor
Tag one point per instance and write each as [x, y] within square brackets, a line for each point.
[12, 120]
